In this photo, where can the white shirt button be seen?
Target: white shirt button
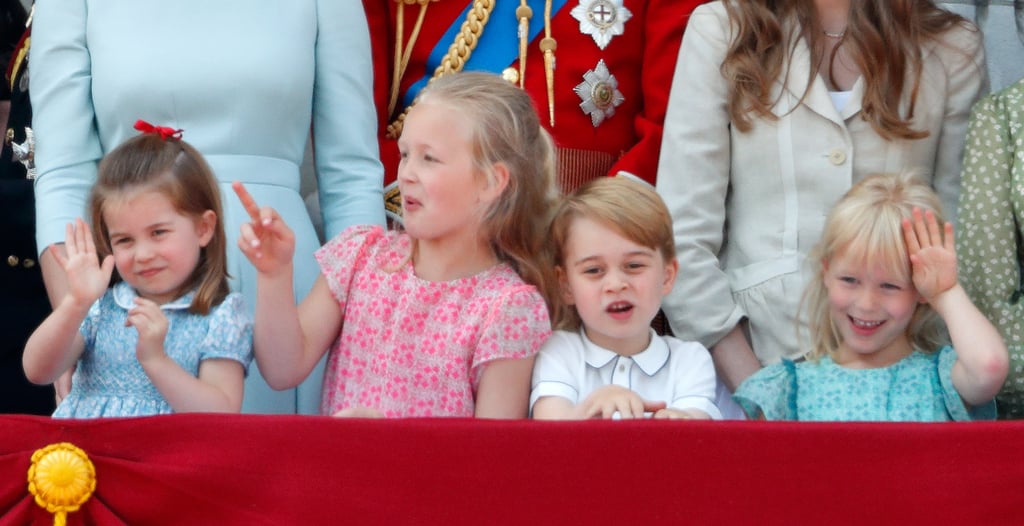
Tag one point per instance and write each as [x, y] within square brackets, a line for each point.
[837, 156]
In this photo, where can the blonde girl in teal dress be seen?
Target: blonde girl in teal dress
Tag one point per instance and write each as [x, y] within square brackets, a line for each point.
[167, 336]
[886, 281]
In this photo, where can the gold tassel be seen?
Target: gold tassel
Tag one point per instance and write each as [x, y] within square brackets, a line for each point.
[548, 46]
[524, 14]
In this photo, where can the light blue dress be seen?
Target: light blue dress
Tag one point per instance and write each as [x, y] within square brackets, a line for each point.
[109, 381]
[918, 388]
[246, 81]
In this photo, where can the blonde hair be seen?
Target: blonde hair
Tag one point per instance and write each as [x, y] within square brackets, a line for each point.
[175, 169]
[506, 130]
[631, 208]
[884, 38]
[866, 226]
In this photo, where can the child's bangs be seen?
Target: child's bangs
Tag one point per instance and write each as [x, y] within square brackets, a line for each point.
[878, 241]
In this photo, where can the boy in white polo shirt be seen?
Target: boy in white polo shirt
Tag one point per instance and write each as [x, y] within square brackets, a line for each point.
[614, 257]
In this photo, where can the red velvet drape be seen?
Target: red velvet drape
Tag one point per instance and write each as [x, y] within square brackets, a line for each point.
[241, 469]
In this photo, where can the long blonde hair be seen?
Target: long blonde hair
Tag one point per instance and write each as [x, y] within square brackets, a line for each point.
[866, 226]
[506, 130]
[884, 38]
[175, 169]
[631, 208]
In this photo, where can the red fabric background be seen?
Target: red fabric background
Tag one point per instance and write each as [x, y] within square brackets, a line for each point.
[235, 469]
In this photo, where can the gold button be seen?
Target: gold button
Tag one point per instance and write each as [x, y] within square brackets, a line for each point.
[837, 157]
[511, 75]
[28, 262]
[12, 261]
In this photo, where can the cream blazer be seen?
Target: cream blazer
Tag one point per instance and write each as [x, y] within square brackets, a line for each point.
[747, 207]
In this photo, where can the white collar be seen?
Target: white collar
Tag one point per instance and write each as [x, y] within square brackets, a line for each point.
[650, 360]
[124, 297]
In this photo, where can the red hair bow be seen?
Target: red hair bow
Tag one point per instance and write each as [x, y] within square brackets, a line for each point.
[163, 131]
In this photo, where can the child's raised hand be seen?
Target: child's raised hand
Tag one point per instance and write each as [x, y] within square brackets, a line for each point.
[932, 254]
[87, 278]
[611, 399]
[150, 321]
[266, 240]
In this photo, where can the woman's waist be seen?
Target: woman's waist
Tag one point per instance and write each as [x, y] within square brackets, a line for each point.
[254, 169]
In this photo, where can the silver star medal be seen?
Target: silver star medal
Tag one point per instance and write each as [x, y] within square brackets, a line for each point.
[600, 93]
[601, 19]
[25, 153]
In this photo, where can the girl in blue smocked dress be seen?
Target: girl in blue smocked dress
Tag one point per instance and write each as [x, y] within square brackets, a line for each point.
[887, 275]
[167, 336]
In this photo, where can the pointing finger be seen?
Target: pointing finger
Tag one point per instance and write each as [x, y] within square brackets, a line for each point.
[247, 200]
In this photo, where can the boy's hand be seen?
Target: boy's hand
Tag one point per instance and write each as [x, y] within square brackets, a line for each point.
[150, 321]
[611, 399]
[87, 278]
[682, 414]
[932, 254]
[266, 240]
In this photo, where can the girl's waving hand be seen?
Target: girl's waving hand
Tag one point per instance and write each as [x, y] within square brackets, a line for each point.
[932, 254]
[982, 359]
[87, 276]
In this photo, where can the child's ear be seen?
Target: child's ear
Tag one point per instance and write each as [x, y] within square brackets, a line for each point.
[671, 270]
[206, 225]
[563, 286]
[496, 183]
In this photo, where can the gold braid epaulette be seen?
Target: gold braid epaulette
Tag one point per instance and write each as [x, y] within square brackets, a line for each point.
[458, 53]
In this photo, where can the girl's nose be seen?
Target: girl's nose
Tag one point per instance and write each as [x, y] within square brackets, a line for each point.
[143, 251]
[867, 300]
[405, 170]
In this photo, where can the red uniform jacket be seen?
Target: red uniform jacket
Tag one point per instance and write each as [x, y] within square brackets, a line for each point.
[641, 59]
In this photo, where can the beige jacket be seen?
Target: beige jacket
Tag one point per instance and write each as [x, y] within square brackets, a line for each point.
[749, 206]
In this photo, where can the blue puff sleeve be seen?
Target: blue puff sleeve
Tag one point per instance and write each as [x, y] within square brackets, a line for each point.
[230, 332]
[770, 392]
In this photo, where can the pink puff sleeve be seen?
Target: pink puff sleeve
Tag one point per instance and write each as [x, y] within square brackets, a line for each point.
[345, 255]
[517, 325]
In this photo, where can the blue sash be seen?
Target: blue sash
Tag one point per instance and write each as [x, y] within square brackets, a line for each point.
[496, 49]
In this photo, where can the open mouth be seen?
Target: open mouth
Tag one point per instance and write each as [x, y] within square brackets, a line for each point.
[619, 307]
[864, 324]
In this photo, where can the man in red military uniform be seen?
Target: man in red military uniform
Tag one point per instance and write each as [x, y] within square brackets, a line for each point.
[599, 71]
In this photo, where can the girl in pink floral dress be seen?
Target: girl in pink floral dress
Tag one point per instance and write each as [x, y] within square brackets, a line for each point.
[443, 318]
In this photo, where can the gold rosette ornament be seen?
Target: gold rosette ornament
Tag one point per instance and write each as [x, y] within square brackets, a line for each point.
[62, 478]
